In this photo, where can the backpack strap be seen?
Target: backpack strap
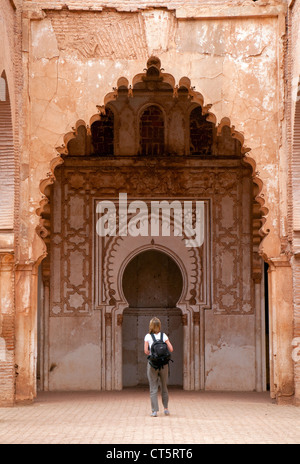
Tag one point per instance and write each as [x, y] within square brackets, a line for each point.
[161, 335]
[153, 338]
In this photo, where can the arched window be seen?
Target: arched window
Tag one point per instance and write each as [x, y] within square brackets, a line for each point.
[152, 132]
[201, 133]
[296, 173]
[7, 158]
[103, 134]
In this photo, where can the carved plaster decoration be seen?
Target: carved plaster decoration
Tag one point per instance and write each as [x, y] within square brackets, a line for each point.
[103, 35]
[231, 245]
[116, 252]
[221, 179]
[178, 104]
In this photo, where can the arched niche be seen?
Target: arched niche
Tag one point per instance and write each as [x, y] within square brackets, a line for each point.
[194, 294]
[152, 285]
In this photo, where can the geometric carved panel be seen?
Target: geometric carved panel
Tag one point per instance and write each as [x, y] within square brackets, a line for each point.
[232, 251]
[71, 253]
[76, 187]
[112, 252]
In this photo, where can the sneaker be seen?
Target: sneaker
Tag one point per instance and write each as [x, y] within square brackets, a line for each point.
[166, 412]
[154, 414]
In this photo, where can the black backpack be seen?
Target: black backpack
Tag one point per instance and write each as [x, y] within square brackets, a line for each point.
[160, 354]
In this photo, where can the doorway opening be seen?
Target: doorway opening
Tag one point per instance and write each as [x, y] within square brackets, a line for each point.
[152, 285]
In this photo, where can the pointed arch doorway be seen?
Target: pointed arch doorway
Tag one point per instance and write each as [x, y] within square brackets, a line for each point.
[152, 284]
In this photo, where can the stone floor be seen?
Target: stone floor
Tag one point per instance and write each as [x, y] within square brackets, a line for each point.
[124, 418]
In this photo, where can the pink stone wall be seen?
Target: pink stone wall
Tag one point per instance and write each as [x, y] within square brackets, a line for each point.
[62, 58]
[9, 132]
[235, 61]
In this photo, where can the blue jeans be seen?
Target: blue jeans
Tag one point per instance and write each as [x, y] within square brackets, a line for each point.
[154, 376]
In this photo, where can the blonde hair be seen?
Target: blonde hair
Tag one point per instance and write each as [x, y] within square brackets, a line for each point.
[154, 325]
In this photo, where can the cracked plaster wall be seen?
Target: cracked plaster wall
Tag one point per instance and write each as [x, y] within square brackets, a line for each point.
[233, 62]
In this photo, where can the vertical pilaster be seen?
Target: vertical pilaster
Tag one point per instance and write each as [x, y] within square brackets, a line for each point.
[7, 330]
[46, 311]
[108, 351]
[281, 329]
[258, 335]
[196, 324]
[186, 351]
[296, 339]
[26, 331]
[117, 374]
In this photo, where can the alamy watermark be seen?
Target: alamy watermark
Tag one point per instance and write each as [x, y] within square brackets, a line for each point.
[182, 218]
[296, 350]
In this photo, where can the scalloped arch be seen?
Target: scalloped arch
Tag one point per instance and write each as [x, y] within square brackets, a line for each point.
[196, 97]
[122, 249]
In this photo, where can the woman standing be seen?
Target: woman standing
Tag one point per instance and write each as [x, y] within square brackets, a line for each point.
[155, 374]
